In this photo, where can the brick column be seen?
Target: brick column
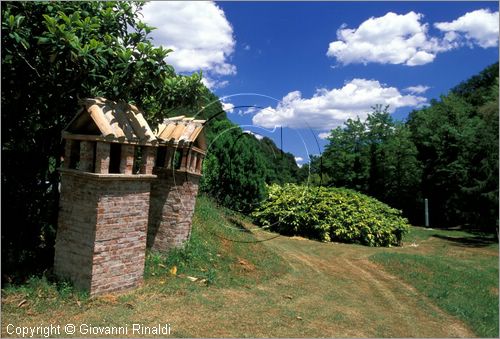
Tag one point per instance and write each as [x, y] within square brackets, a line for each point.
[194, 160]
[127, 159]
[169, 155]
[188, 160]
[199, 163]
[67, 153]
[86, 156]
[184, 159]
[148, 160]
[102, 157]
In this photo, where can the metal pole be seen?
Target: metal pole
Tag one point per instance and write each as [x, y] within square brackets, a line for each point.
[426, 202]
[281, 139]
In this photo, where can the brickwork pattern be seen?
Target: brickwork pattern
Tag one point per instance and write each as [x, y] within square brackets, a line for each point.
[102, 157]
[76, 231]
[101, 240]
[172, 202]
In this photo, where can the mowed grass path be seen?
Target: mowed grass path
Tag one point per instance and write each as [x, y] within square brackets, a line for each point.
[282, 287]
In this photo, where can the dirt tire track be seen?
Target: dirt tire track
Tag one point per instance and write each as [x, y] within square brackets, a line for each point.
[413, 314]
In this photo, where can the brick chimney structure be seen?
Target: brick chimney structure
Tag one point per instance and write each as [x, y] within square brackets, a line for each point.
[109, 196]
[173, 195]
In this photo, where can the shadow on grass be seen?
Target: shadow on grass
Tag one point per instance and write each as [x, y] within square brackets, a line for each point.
[238, 224]
[474, 241]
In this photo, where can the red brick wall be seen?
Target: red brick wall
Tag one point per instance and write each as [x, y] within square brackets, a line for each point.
[101, 239]
[76, 230]
[173, 197]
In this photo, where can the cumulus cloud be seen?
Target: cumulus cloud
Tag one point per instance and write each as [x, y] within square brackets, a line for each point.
[228, 107]
[404, 38]
[298, 161]
[324, 135]
[212, 83]
[198, 33]
[256, 135]
[393, 38]
[419, 89]
[247, 110]
[478, 27]
[328, 109]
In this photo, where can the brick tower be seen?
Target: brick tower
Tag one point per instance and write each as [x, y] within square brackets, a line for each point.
[105, 191]
[115, 201]
[181, 151]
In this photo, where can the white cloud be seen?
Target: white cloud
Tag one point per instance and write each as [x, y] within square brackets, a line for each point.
[212, 83]
[299, 161]
[419, 89]
[392, 38]
[197, 31]
[404, 39]
[328, 109]
[324, 135]
[246, 47]
[478, 27]
[228, 107]
[248, 110]
[257, 136]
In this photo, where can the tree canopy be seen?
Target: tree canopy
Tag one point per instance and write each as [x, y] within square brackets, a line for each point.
[54, 53]
[446, 152]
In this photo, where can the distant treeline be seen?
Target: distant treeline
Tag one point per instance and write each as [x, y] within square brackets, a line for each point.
[446, 152]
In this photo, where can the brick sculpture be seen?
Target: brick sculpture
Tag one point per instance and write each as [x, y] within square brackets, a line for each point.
[114, 203]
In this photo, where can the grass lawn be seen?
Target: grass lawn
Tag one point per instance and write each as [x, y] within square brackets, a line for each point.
[460, 275]
[251, 283]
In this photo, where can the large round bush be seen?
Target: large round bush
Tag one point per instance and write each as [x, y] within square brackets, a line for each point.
[330, 214]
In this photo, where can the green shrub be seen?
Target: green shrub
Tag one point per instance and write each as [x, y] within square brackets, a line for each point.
[330, 214]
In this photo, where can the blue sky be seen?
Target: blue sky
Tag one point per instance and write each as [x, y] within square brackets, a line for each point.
[310, 66]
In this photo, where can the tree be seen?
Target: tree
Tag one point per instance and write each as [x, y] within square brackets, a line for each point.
[458, 146]
[280, 166]
[54, 53]
[376, 157]
[233, 171]
[345, 159]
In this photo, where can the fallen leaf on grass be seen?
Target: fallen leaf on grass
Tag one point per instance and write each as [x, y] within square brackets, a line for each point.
[109, 298]
[299, 318]
[288, 297]
[24, 301]
[173, 270]
[192, 278]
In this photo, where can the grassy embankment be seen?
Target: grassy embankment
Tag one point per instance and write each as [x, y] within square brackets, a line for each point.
[288, 286]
